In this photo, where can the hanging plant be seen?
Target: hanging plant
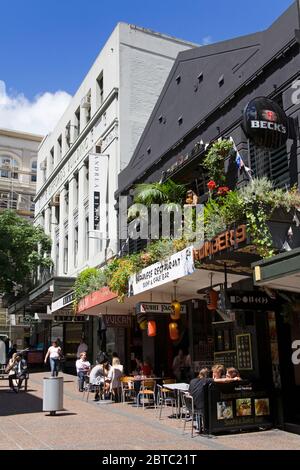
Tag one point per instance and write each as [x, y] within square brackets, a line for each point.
[214, 160]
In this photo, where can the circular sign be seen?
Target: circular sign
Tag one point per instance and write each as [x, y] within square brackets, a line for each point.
[265, 123]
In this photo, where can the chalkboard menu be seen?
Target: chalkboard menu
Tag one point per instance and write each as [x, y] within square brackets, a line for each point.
[227, 358]
[244, 352]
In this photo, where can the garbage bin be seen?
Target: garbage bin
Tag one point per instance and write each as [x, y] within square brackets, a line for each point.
[53, 394]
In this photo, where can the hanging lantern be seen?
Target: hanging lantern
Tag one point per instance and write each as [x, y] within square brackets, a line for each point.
[151, 328]
[212, 301]
[174, 332]
[143, 325]
[175, 310]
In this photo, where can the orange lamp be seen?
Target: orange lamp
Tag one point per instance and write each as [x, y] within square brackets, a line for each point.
[151, 328]
[212, 301]
[173, 330]
[175, 310]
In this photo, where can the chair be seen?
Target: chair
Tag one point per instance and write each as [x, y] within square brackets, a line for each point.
[127, 388]
[89, 387]
[163, 399]
[147, 390]
[188, 403]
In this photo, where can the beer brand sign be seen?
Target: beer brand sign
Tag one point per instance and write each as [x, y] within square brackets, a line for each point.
[224, 241]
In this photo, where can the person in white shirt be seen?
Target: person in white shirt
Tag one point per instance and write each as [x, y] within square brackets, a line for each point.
[114, 376]
[99, 376]
[83, 347]
[82, 366]
[54, 354]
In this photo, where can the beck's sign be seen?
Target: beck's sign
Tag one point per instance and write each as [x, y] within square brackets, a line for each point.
[265, 123]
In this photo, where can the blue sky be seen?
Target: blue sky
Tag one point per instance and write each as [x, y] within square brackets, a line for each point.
[47, 46]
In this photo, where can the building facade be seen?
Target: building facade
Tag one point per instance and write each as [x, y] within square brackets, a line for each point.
[78, 164]
[18, 174]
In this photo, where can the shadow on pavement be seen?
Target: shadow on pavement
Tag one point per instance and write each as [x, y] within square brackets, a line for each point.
[19, 403]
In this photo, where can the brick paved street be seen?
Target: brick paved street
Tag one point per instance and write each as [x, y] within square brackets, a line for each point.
[94, 425]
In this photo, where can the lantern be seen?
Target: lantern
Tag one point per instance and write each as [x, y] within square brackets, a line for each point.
[151, 328]
[143, 325]
[212, 301]
[175, 310]
[174, 332]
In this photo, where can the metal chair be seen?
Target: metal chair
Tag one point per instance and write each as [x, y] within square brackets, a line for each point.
[188, 402]
[92, 387]
[165, 398]
[127, 388]
[147, 390]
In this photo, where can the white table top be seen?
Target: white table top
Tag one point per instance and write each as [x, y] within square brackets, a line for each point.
[180, 386]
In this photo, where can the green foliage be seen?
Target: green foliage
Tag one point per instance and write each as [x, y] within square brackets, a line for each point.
[23, 249]
[214, 160]
[159, 193]
[89, 280]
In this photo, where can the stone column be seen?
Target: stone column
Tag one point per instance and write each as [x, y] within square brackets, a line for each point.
[81, 215]
[72, 184]
[53, 227]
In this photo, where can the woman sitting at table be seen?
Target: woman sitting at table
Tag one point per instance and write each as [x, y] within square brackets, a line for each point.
[147, 368]
[218, 373]
[232, 374]
[99, 373]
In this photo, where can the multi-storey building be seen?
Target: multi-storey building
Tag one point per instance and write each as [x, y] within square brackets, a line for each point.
[78, 165]
[18, 164]
[18, 168]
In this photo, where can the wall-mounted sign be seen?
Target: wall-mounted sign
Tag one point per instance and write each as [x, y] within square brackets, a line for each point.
[176, 266]
[62, 302]
[224, 241]
[152, 307]
[265, 123]
[69, 318]
[117, 321]
[98, 173]
[249, 300]
[244, 351]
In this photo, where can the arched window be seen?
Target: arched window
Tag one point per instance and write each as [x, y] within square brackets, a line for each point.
[33, 170]
[8, 167]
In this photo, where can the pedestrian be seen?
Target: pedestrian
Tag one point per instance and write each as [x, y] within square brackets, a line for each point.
[83, 347]
[17, 370]
[54, 353]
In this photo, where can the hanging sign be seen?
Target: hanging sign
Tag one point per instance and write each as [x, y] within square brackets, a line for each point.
[152, 307]
[98, 173]
[265, 123]
[176, 266]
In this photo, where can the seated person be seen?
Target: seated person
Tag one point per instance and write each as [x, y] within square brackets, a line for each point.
[218, 373]
[17, 369]
[197, 390]
[232, 374]
[147, 369]
[82, 367]
[99, 375]
[114, 375]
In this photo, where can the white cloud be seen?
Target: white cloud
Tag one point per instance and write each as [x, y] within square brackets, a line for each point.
[38, 116]
[206, 40]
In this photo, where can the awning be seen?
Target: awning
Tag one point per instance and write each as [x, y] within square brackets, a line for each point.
[279, 272]
[42, 295]
[105, 302]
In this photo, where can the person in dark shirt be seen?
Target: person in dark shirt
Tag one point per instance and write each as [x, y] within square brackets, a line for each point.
[197, 389]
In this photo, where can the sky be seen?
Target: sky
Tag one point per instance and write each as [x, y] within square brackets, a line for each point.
[48, 46]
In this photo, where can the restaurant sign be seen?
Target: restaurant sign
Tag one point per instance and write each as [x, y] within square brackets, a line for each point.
[62, 302]
[176, 266]
[152, 307]
[229, 239]
[117, 321]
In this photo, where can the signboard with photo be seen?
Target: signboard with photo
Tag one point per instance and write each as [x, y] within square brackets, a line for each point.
[244, 352]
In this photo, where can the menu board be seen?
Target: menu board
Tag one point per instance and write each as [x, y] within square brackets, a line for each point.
[227, 358]
[244, 352]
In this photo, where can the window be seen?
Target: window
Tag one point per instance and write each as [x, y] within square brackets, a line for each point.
[66, 199]
[86, 106]
[66, 254]
[76, 247]
[33, 171]
[59, 147]
[270, 163]
[77, 120]
[8, 167]
[76, 189]
[68, 134]
[87, 238]
[52, 157]
[100, 89]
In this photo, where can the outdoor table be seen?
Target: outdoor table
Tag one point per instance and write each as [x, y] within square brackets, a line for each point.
[179, 387]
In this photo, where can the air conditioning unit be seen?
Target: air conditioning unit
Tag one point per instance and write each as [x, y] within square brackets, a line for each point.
[55, 200]
[43, 165]
[86, 101]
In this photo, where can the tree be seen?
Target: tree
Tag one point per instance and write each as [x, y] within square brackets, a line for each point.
[23, 249]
